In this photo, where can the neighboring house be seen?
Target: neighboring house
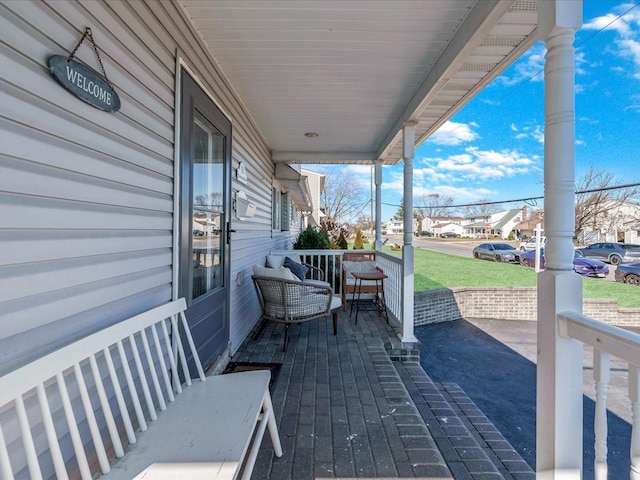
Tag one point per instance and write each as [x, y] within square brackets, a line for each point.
[316, 187]
[429, 223]
[440, 228]
[395, 227]
[613, 222]
[500, 224]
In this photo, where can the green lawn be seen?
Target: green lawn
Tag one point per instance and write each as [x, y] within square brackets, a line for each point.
[434, 270]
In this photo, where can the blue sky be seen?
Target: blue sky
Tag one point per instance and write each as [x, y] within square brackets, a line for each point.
[493, 147]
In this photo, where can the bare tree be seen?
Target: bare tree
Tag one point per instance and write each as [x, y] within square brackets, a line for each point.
[432, 205]
[482, 207]
[341, 200]
[597, 204]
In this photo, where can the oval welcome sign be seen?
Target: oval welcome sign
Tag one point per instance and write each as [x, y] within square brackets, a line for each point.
[85, 83]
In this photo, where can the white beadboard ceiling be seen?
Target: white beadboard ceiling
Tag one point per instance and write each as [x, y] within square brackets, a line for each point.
[353, 71]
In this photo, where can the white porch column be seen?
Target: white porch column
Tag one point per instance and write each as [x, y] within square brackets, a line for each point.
[559, 384]
[378, 180]
[408, 142]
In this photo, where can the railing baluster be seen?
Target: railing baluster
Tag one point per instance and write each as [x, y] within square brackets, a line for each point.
[634, 395]
[602, 375]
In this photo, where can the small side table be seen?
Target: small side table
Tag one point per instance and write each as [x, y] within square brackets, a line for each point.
[379, 302]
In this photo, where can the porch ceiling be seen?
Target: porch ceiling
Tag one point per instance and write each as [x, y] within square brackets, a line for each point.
[353, 71]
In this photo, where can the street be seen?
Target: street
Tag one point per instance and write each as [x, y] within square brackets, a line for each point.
[463, 247]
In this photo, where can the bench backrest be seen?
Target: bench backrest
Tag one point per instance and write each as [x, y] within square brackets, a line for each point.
[129, 360]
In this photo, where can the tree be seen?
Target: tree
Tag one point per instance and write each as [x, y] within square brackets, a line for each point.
[597, 204]
[358, 243]
[433, 205]
[341, 200]
[399, 215]
[480, 208]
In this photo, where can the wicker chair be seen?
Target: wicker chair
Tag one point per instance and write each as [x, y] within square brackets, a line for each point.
[290, 301]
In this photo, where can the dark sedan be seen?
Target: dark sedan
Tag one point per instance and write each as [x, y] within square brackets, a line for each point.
[629, 273]
[613, 252]
[581, 265]
[499, 252]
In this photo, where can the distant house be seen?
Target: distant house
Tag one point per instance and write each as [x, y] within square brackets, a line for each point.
[441, 224]
[395, 227]
[316, 187]
[500, 224]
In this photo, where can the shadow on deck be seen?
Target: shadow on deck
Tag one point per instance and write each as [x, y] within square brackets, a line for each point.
[346, 409]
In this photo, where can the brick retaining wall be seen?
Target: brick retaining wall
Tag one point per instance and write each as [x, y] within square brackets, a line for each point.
[511, 303]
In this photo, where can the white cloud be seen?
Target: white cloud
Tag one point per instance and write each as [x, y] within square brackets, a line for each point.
[626, 29]
[529, 67]
[625, 26]
[482, 165]
[454, 133]
[534, 132]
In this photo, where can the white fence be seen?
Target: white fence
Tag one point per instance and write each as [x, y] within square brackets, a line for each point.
[608, 341]
[329, 261]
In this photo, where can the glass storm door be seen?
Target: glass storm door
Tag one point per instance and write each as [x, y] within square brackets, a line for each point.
[205, 197]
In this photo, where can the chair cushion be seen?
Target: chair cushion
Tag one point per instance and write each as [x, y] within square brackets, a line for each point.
[296, 268]
[366, 266]
[336, 302]
[275, 261]
[282, 272]
[316, 283]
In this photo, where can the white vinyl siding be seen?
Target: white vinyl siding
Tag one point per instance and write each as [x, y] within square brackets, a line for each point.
[86, 197]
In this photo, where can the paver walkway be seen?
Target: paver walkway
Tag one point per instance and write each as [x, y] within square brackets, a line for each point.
[345, 409]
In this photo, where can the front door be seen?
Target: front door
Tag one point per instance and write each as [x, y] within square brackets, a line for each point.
[205, 156]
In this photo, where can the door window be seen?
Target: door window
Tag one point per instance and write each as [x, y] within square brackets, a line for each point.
[208, 205]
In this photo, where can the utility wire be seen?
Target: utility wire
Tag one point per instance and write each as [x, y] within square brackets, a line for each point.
[524, 199]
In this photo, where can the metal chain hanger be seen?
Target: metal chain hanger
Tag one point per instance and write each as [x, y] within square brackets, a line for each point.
[87, 33]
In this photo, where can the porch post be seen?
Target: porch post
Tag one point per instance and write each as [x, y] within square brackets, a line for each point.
[408, 143]
[559, 384]
[378, 180]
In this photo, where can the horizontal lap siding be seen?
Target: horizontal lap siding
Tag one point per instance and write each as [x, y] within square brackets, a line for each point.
[86, 197]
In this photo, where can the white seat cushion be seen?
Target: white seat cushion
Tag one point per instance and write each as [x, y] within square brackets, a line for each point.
[282, 272]
[336, 302]
[277, 261]
[316, 283]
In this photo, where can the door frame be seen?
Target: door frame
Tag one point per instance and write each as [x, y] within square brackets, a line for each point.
[182, 66]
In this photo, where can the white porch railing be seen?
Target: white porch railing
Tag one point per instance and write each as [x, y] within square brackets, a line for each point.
[607, 341]
[329, 261]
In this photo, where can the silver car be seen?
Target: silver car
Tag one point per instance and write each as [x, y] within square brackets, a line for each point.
[498, 252]
[613, 252]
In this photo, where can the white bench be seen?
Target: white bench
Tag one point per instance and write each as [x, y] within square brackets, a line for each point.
[67, 414]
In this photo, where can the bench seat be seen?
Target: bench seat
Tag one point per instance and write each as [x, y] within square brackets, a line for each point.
[123, 382]
[210, 424]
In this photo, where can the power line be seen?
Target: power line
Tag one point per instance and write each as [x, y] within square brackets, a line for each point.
[524, 199]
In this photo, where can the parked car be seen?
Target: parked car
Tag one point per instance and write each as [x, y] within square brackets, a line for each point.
[613, 252]
[531, 244]
[424, 233]
[629, 273]
[499, 252]
[587, 267]
[198, 233]
[449, 235]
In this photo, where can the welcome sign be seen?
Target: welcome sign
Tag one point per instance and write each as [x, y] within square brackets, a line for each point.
[84, 82]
